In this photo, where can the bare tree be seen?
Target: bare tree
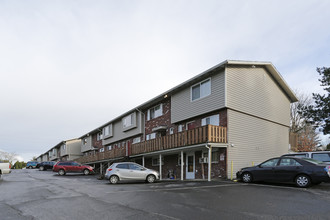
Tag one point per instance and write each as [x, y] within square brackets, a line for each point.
[307, 139]
[8, 156]
[297, 119]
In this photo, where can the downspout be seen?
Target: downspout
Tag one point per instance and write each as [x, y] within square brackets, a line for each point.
[209, 161]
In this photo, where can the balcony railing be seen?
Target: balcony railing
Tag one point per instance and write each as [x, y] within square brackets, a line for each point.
[114, 153]
[208, 133]
[200, 135]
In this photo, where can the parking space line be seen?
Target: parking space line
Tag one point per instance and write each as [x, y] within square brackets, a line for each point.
[174, 189]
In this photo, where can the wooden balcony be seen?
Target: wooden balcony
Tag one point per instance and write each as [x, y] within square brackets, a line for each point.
[99, 156]
[205, 134]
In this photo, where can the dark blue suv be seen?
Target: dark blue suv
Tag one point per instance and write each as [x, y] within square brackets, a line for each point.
[31, 164]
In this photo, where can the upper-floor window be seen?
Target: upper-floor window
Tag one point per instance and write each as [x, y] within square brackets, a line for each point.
[211, 120]
[151, 136]
[99, 136]
[84, 141]
[128, 121]
[136, 140]
[63, 146]
[180, 128]
[102, 149]
[107, 131]
[155, 112]
[110, 147]
[201, 90]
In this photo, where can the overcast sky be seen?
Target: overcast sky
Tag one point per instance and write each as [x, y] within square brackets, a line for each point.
[67, 67]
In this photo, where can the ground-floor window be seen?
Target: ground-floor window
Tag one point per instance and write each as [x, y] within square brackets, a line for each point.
[215, 156]
[155, 161]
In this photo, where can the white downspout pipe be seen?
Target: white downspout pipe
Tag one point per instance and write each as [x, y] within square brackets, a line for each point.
[160, 167]
[182, 165]
[142, 160]
[209, 163]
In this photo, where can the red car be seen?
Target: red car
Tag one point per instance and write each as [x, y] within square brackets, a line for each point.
[63, 167]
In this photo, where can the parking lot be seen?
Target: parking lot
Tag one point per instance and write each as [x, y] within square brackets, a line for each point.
[33, 194]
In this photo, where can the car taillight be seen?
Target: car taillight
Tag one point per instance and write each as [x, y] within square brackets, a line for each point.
[9, 166]
[109, 169]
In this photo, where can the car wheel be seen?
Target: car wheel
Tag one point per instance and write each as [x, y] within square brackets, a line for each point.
[114, 179]
[302, 180]
[86, 171]
[61, 172]
[247, 177]
[151, 178]
[41, 168]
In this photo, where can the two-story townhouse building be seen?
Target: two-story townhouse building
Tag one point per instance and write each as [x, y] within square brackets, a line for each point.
[92, 142]
[54, 153]
[66, 150]
[45, 157]
[236, 114]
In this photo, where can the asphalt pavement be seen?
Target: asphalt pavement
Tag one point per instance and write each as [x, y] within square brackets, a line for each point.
[33, 194]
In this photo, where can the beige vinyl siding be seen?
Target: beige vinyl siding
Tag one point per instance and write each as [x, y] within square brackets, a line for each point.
[254, 139]
[253, 91]
[183, 108]
[73, 149]
[120, 133]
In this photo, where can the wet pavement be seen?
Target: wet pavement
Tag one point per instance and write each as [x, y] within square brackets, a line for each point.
[33, 194]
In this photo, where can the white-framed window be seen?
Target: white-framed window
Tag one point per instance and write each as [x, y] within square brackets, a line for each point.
[155, 161]
[150, 136]
[99, 136]
[215, 156]
[211, 120]
[155, 112]
[180, 128]
[84, 141]
[201, 90]
[171, 130]
[64, 146]
[110, 147]
[128, 121]
[102, 149]
[136, 140]
[107, 131]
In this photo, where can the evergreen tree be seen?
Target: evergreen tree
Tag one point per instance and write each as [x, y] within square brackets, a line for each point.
[319, 113]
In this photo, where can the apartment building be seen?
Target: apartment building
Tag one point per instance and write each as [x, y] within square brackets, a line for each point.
[230, 116]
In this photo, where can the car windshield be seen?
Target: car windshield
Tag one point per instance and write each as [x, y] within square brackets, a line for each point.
[312, 161]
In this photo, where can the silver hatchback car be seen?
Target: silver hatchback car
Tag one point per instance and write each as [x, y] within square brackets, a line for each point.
[130, 171]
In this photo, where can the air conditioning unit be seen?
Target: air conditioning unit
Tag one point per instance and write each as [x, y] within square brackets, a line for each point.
[203, 160]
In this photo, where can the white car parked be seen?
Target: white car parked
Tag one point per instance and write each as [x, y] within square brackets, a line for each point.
[323, 156]
[130, 171]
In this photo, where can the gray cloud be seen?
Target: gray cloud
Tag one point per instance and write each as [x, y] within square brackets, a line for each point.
[68, 67]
